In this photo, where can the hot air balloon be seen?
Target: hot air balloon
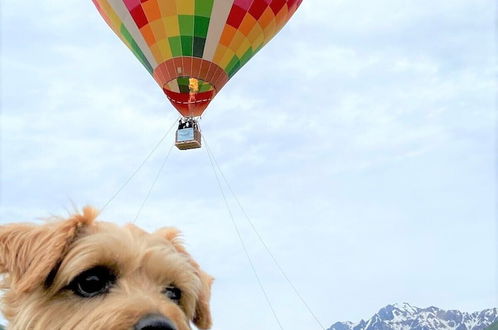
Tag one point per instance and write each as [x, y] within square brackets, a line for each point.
[193, 47]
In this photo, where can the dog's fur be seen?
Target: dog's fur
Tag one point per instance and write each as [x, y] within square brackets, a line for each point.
[38, 263]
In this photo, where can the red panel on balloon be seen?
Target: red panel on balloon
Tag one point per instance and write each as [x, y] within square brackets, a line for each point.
[276, 5]
[244, 4]
[196, 66]
[130, 4]
[292, 4]
[187, 66]
[257, 8]
[139, 16]
[187, 107]
[236, 16]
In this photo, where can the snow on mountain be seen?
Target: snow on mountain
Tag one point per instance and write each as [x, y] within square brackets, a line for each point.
[407, 317]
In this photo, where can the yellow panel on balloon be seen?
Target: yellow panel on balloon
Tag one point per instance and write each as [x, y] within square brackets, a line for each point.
[185, 7]
[227, 57]
[164, 48]
[219, 53]
[156, 52]
[237, 41]
[256, 36]
[158, 29]
[167, 8]
[171, 25]
[243, 48]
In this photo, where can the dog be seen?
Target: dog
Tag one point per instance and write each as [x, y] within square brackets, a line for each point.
[80, 273]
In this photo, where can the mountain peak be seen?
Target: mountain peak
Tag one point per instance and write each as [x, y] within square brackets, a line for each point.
[404, 306]
[403, 316]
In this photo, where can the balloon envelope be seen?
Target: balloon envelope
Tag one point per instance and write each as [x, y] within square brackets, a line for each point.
[193, 47]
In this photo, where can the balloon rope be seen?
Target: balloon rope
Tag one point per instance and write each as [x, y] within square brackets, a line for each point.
[139, 167]
[236, 227]
[153, 183]
[303, 301]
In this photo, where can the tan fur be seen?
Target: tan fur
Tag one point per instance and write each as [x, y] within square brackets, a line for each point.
[39, 261]
[203, 314]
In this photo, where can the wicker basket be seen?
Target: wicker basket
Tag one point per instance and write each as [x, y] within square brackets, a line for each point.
[188, 138]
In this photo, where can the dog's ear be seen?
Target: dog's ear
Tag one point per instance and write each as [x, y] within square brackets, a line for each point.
[29, 252]
[202, 318]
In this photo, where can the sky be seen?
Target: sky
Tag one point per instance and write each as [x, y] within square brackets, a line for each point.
[361, 142]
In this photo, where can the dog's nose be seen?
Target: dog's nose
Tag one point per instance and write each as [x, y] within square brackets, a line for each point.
[154, 322]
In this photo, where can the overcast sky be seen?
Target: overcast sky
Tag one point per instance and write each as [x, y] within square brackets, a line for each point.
[360, 142]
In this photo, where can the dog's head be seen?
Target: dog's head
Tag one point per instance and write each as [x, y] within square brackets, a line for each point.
[85, 274]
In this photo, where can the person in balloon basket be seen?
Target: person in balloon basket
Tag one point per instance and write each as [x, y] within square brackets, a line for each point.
[80, 273]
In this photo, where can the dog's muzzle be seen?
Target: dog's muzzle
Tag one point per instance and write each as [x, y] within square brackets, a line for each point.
[154, 322]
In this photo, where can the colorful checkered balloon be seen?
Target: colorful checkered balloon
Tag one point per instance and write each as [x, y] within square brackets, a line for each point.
[193, 47]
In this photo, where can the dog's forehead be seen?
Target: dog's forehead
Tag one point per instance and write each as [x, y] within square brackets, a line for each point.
[123, 247]
[123, 239]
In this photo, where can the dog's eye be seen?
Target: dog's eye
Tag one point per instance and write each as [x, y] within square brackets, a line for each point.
[93, 282]
[173, 293]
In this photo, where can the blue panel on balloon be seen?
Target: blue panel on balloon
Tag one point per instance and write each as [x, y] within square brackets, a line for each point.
[185, 134]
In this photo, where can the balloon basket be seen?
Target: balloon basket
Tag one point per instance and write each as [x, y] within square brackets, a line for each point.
[188, 138]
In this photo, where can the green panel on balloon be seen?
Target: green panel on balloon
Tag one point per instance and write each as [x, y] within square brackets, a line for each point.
[247, 56]
[201, 26]
[176, 46]
[233, 65]
[186, 25]
[187, 45]
[203, 7]
[199, 46]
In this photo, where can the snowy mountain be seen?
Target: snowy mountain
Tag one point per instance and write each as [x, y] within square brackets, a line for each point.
[407, 317]
[493, 326]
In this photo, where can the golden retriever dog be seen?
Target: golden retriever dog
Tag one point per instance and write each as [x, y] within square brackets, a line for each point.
[80, 273]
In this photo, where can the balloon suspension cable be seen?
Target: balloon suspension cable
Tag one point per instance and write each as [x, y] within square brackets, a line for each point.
[153, 183]
[139, 167]
[239, 235]
[262, 241]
